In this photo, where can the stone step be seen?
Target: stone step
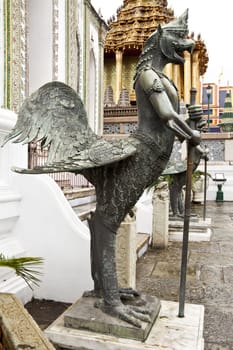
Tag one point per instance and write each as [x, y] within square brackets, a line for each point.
[83, 211]
[74, 193]
[142, 243]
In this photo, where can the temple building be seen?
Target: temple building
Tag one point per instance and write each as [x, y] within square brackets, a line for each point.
[215, 99]
[52, 40]
[47, 40]
[227, 116]
[135, 21]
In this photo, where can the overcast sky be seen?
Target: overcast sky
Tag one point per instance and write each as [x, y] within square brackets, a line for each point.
[212, 19]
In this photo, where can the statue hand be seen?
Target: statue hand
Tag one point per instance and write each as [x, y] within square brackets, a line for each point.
[195, 112]
[195, 138]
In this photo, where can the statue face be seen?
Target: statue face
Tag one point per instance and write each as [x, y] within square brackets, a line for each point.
[173, 44]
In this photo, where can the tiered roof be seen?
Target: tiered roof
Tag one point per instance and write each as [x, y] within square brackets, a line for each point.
[136, 20]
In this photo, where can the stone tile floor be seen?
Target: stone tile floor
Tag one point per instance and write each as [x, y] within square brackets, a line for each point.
[209, 278]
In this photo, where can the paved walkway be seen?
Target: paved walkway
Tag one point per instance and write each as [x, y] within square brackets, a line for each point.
[209, 275]
[209, 278]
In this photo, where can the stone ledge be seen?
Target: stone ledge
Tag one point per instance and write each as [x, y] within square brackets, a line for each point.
[19, 330]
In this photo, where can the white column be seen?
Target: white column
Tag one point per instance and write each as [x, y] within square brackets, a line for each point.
[119, 58]
[40, 43]
[61, 40]
[126, 253]
[160, 216]
[187, 77]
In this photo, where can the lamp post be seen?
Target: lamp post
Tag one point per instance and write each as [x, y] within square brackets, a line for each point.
[208, 92]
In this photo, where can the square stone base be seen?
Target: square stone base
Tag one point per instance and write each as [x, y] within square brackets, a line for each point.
[199, 230]
[169, 332]
[84, 315]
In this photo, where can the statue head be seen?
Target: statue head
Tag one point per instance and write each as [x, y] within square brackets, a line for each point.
[173, 39]
[170, 39]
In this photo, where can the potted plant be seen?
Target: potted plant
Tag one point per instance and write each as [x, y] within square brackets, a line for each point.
[18, 330]
[25, 267]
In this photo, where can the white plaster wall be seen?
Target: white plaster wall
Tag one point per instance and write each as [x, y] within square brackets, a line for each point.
[37, 220]
[48, 227]
[39, 43]
[144, 213]
[11, 153]
[10, 200]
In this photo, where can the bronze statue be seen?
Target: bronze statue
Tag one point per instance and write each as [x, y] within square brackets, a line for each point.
[119, 170]
[177, 173]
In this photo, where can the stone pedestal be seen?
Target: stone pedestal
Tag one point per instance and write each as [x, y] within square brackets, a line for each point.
[169, 332]
[126, 253]
[160, 216]
[83, 315]
[199, 230]
[198, 190]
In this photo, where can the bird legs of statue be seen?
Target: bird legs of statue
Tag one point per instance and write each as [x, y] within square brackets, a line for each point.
[103, 266]
[176, 196]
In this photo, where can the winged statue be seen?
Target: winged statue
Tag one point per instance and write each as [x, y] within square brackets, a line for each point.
[120, 170]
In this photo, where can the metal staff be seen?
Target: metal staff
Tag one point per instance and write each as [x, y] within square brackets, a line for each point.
[186, 214]
[205, 183]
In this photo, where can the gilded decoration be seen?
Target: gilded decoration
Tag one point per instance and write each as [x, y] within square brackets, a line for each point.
[136, 20]
[15, 27]
[71, 65]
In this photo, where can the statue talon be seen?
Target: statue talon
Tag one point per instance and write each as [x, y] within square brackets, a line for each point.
[128, 313]
[92, 294]
[128, 293]
[125, 294]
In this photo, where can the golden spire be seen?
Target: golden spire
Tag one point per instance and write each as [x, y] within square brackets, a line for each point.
[136, 20]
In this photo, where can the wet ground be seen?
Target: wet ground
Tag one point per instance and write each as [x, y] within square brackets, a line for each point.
[209, 278]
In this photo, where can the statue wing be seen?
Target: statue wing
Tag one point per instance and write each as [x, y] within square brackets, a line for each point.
[55, 116]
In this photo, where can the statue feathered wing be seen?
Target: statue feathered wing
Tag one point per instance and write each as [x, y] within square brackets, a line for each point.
[55, 116]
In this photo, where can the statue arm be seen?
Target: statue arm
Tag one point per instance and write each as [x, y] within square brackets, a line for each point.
[153, 87]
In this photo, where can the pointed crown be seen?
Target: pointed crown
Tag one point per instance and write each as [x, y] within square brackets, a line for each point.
[178, 25]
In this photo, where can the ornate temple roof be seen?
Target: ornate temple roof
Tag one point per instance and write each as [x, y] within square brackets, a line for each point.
[203, 55]
[136, 20]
